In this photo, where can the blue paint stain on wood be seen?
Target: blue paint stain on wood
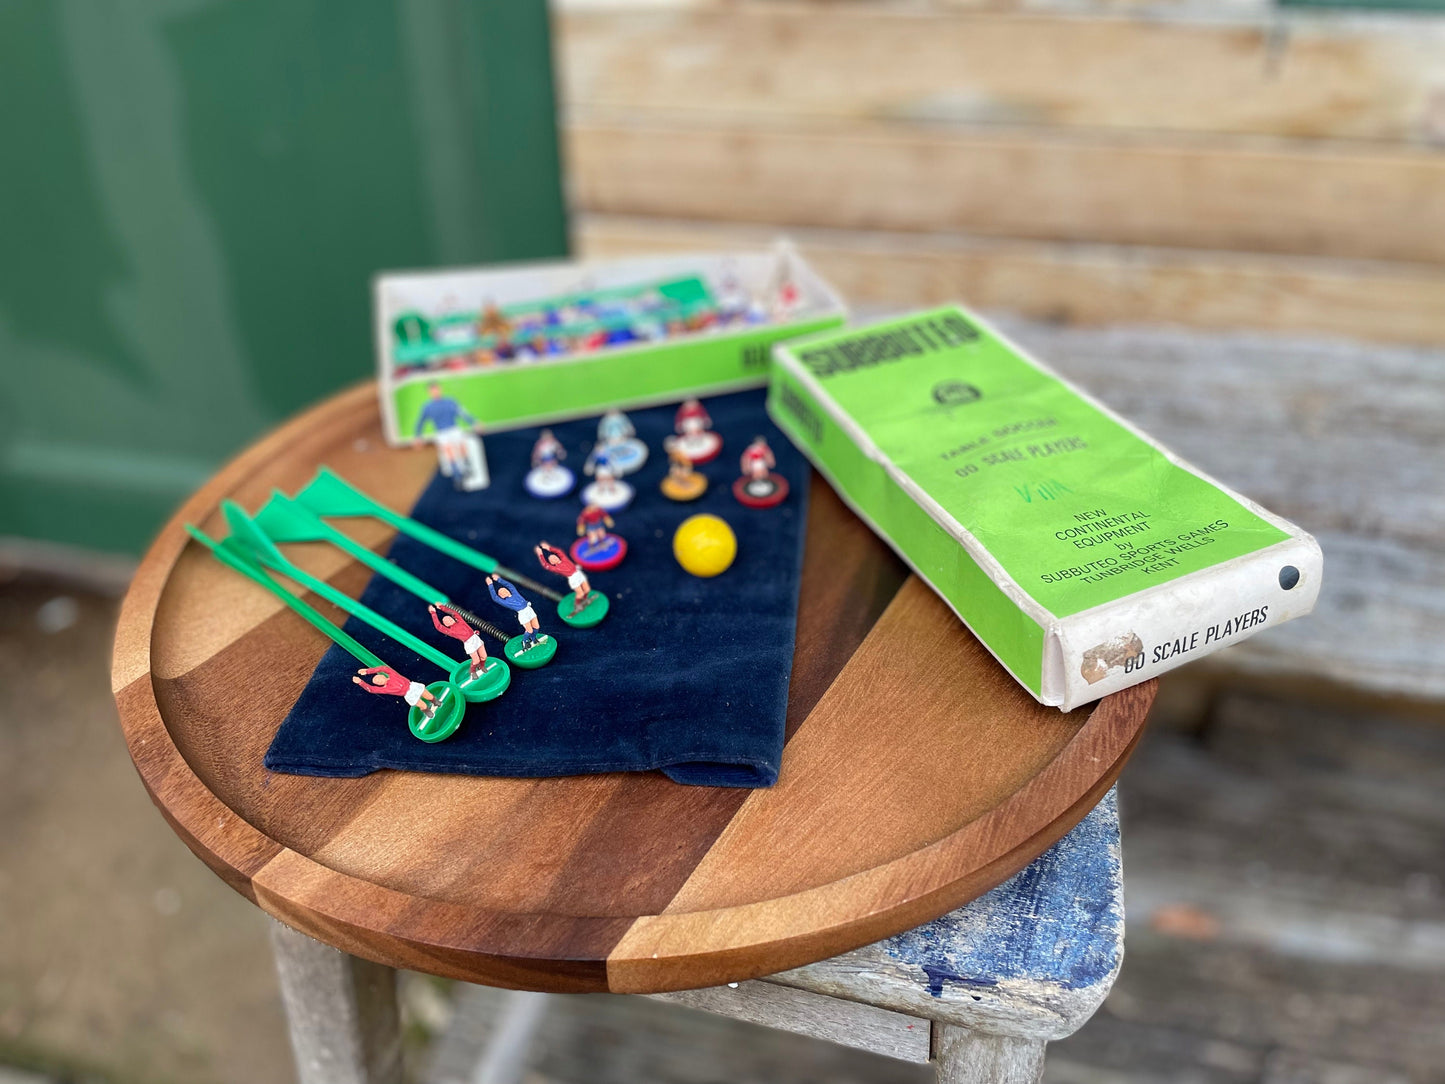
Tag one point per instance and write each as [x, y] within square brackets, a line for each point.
[1059, 921]
[937, 976]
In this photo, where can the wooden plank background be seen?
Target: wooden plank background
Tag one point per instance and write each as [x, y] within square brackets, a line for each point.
[1220, 166]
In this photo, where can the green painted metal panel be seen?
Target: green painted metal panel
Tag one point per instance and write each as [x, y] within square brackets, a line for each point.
[195, 196]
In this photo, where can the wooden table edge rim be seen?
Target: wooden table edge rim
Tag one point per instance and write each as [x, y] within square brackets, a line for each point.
[343, 910]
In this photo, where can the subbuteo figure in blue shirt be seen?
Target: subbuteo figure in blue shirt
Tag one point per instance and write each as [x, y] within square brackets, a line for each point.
[452, 430]
[505, 593]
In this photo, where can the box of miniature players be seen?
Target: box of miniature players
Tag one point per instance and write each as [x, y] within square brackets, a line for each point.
[524, 344]
[1081, 552]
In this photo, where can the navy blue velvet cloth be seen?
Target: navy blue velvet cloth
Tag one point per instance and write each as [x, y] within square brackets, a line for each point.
[687, 675]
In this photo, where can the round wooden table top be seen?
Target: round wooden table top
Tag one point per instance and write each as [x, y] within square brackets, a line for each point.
[917, 774]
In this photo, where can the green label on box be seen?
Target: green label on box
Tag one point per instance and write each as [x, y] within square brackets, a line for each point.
[511, 394]
[1077, 508]
[1013, 636]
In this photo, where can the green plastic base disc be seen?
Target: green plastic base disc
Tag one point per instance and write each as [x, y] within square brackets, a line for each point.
[539, 654]
[594, 609]
[491, 683]
[444, 721]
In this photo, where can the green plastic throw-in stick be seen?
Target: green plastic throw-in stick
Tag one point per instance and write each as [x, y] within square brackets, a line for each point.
[264, 551]
[444, 720]
[233, 556]
[286, 520]
[328, 494]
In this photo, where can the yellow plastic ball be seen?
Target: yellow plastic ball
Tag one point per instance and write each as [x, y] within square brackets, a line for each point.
[704, 545]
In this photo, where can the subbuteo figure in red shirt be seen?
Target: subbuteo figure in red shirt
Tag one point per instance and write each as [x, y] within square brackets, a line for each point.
[695, 438]
[759, 487]
[449, 622]
[384, 681]
[554, 560]
[757, 459]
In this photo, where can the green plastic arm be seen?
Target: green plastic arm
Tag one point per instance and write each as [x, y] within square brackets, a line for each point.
[234, 557]
[264, 551]
[328, 494]
[287, 520]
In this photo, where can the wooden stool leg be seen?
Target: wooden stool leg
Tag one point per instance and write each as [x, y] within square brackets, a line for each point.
[341, 1012]
[505, 1059]
[974, 1057]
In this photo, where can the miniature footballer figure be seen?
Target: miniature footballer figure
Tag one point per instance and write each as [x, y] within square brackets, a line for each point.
[596, 549]
[682, 483]
[492, 321]
[548, 451]
[618, 437]
[459, 451]
[449, 623]
[606, 491]
[615, 426]
[757, 458]
[593, 522]
[695, 437]
[733, 301]
[554, 560]
[505, 593]
[548, 478]
[759, 487]
[384, 681]
[786, 298]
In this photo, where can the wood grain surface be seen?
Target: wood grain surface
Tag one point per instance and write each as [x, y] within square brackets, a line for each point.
[916, 775]
[1078, 283]
[1266, 74]
[1314, 198]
